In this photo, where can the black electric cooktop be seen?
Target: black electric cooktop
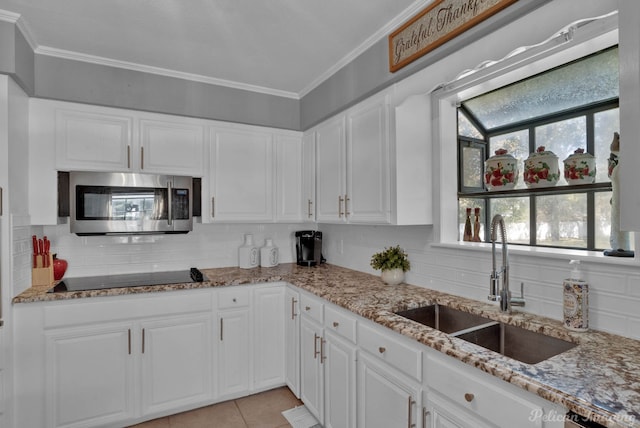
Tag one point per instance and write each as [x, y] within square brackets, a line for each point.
[127, 280]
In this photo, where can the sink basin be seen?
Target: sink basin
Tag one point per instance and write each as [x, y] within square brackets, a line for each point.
[444, 318]
[517, 343]
[513, 342]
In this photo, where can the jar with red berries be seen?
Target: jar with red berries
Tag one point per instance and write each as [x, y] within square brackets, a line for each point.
[541, 169]
[580, 168]
[501, 171]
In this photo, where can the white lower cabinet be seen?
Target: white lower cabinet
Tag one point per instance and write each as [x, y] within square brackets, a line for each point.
[268, 337]
[386, 398]
[339, 359]
[176, 362]
[233, 342]
[461, 395]
[90, 376]
[292, 340]
[311, 374]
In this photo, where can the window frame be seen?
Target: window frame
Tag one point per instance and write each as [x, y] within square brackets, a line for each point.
[588, 111]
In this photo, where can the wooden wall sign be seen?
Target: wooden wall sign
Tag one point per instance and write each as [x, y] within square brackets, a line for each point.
[437, 24]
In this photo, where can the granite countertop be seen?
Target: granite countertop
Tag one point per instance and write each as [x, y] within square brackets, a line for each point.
[599, 378]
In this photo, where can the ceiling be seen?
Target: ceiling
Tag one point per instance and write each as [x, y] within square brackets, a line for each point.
[284, 47]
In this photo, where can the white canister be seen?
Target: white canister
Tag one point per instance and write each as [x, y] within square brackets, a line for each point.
[248, 254]
[269, 254]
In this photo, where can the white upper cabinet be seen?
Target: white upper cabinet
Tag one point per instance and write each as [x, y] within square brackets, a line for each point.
[92, 140]
[353, 165]
[241, 175]
[289, 178]
[367, 195]
[106, 139]
[171, 147]
[331, 170]
[309, 177]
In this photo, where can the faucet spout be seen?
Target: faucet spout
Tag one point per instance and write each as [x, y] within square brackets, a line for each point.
[497, 292]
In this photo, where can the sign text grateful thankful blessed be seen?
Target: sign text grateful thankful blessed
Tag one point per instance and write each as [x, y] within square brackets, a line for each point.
[438, 23]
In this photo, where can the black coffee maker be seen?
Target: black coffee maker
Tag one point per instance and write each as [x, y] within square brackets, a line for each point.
[309, 247]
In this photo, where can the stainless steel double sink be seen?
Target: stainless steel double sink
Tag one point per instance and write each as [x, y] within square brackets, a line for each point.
[514, 342]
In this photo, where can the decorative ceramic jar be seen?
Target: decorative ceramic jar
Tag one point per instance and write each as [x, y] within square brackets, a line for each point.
[392, 276]
[580, 168]
[269, 254]
[541, 169]
[248, 254]
[501, 171]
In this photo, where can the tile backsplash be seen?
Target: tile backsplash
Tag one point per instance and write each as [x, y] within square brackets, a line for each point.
[614, 288]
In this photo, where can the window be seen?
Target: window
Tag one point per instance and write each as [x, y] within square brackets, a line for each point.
[574, 106]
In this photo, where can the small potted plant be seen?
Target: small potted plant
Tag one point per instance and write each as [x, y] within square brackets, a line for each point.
[393, 262]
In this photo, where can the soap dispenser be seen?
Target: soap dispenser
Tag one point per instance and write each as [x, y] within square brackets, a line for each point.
[575, 300]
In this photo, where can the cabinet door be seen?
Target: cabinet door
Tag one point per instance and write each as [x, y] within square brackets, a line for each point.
[311, 367]
[292, 340]
[241, 176]
[268, 337]
[384, 398]
[93, 141]
[89, 376]
[339, 359]
[288, 178]
[439, 413]
[367, 195]
[309, 177]
[176, 362]
[171, 148]
[330, 171]
[233, 352]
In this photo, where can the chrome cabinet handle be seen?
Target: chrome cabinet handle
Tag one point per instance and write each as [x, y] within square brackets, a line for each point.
[293, 308]
[309, 203]
[129, 157]
[346, 209]
[1, 201]
[141, 157]
[143, 340]
[340, 201]
[221, 329]
[410, 424]
[322, 356]
[213, 205]
[315, 345]
[169, 203]
[425, 416]
[129, 339]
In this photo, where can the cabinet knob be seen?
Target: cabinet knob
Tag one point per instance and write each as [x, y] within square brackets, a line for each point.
[336, 324]
[234, 300]
[382, 349]
[469, 397]
[307, 308]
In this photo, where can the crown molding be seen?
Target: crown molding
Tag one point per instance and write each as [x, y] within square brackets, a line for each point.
[417, 6]
[76, 56]
[16, 18]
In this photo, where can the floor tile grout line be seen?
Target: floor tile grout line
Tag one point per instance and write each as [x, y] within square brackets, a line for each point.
[235, 403]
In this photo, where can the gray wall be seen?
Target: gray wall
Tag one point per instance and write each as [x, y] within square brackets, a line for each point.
[369, 72]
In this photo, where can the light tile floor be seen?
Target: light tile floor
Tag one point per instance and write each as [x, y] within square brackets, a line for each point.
[263, 410]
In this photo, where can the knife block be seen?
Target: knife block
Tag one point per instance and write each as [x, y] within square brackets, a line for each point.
[42, 275]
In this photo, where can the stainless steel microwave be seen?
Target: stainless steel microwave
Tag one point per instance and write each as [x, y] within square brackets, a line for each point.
[113, 203]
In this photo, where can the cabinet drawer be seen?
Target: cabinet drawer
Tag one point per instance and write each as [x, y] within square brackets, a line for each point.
[235, 297]
[340, 322]
[311, 307]
[467, 389]
[390, 349]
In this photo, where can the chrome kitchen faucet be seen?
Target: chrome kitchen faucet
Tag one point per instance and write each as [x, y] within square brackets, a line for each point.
[502, 294]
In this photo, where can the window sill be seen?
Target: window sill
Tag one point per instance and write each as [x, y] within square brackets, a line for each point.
[541, 252]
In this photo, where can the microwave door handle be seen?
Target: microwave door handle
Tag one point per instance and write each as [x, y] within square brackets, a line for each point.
[170, 202]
